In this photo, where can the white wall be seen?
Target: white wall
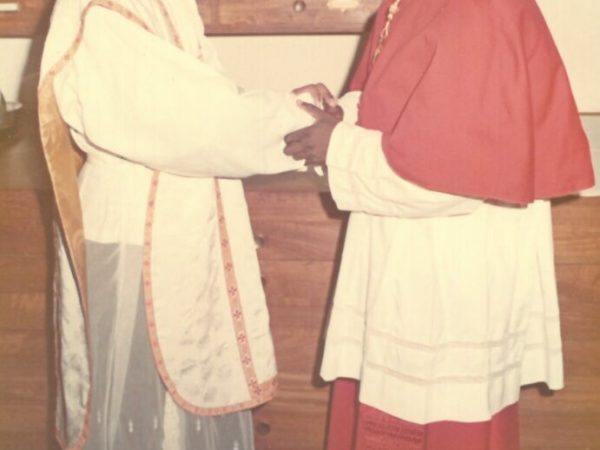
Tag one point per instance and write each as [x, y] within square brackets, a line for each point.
[591, 123]
[283, 62]
[575, 25]
[13, 56]
[286, 62]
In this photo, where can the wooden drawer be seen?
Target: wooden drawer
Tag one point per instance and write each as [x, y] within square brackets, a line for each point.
[288, 16]
[23, 273]
[297, 294]
[21, 222]
[25, 241]
[25, 335]
[564, 420]
[295, 206]
[301, 234]
[295, 420]
[20, 420]
[24, 311]
[579, 295]
[577, 231]
[316, 241]
[25, 390]
[295, 226]
[22, 349]
[28, 440]
[29, 19]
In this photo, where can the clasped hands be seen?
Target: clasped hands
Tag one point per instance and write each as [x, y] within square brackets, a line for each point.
[311, 143]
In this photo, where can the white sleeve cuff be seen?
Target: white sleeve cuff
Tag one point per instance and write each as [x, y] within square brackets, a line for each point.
[361, 179]
[347, 146]
[349, 103]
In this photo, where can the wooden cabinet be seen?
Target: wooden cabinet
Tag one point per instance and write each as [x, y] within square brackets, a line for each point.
[299, 235]
[286, 16]
[29, 17]
[23, 17]
[26, 255]
[25, 329]
[569, 419]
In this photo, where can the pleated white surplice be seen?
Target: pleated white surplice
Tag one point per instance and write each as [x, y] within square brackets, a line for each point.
[444, 305]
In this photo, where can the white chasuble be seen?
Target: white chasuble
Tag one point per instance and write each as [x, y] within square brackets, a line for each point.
[138, 87]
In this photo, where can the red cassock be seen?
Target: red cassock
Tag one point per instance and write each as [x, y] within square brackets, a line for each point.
[473, 99]
[355, 426]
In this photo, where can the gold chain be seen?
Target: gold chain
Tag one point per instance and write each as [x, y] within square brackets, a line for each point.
[392, 10]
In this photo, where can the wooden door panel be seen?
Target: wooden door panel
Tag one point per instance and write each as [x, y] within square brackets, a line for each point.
[292, 16]
[29, 19]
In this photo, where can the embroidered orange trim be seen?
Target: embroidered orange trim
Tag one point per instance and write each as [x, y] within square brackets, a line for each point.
[60, 157]
[170, 24]
[235, 302]
[259, 393]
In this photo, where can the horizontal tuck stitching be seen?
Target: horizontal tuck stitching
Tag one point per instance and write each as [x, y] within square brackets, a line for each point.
[542, 346]
[447, 345]
[544, 317]
[352, 309]
[442, 379]
[345, 340]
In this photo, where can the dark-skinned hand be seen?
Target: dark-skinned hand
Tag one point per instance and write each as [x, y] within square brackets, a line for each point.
[311, 143]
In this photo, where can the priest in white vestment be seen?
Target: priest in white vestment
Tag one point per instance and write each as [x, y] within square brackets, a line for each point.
[163, 331]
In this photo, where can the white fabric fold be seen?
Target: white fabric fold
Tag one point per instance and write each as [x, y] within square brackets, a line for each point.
[124, 81]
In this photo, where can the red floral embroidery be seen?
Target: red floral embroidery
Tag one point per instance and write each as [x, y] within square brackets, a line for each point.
[254, 386]
[172, 29]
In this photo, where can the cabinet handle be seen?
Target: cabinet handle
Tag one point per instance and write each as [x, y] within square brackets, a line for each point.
[9, 6]
[299, 6]
[263, 428]
[259, 240]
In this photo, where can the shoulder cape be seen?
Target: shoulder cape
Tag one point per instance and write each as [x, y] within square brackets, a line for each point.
[473, 99]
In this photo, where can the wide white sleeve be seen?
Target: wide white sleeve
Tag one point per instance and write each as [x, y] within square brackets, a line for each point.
[349, 103]
[361, 180]
[134, 95]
